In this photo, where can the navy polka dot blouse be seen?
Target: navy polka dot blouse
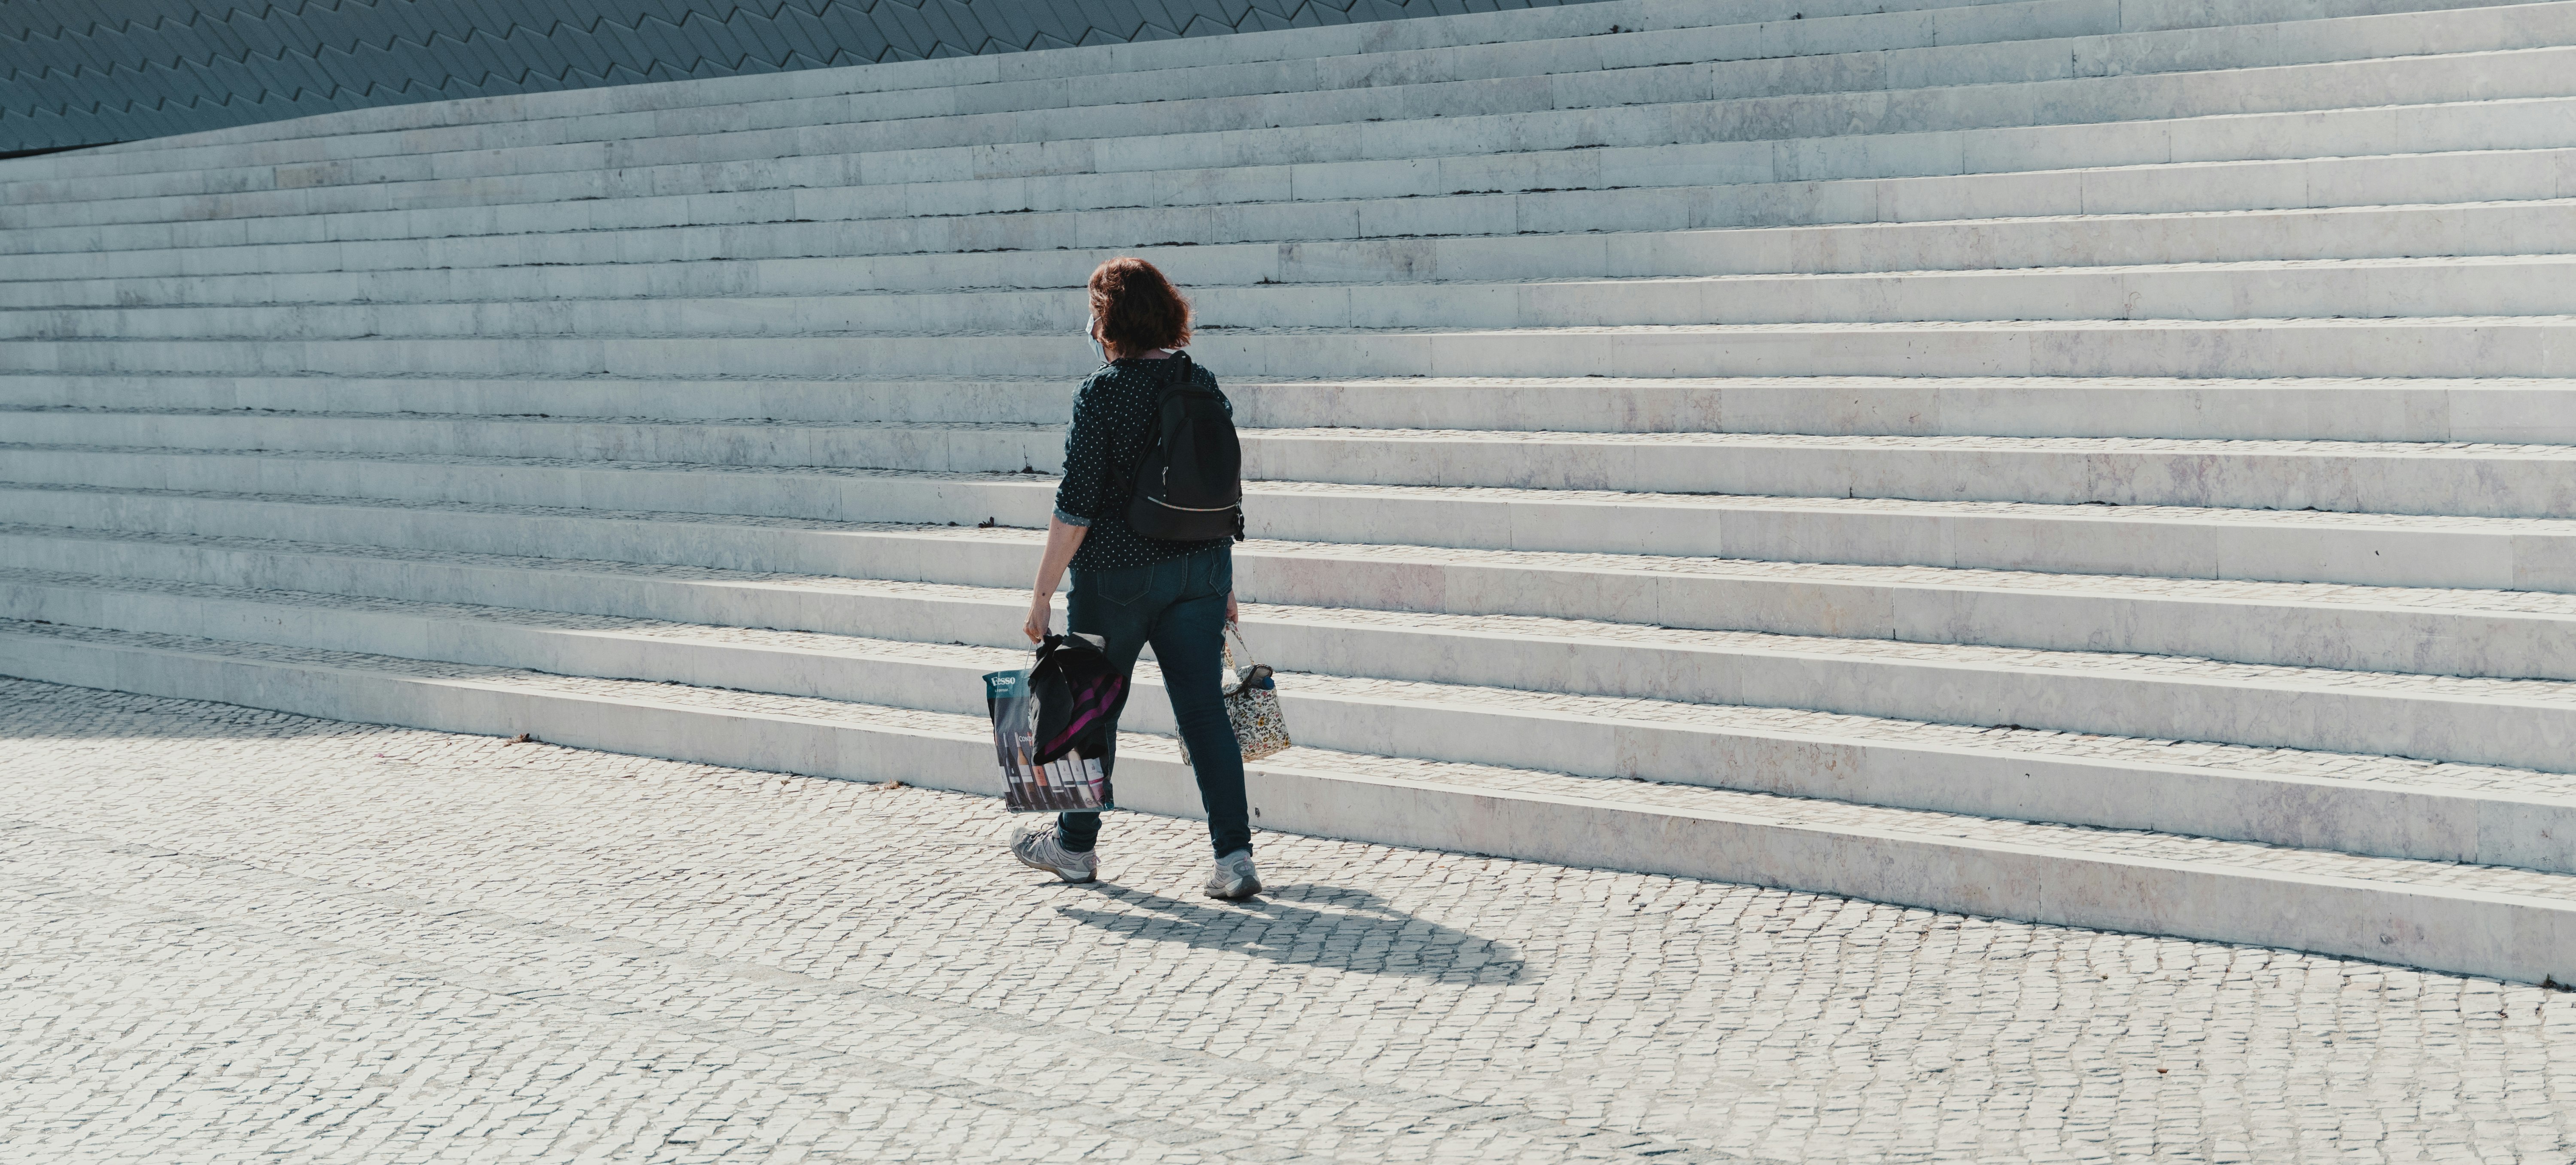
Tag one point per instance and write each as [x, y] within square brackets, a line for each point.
[1113, 426]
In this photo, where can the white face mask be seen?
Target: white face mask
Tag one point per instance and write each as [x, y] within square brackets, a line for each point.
[1091, 332]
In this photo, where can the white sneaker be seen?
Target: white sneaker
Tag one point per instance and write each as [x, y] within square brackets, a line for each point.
[1039, 846]
[1233, 879]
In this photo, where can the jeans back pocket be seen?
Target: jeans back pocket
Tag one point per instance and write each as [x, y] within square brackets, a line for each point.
[1125, 586]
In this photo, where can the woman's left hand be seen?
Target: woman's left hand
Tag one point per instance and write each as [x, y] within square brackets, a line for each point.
[1232, 615]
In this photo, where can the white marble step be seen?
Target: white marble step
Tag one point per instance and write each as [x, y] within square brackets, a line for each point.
[1241, 64]
[1549, 509]
[1768, 30]
[2419, 564]
[2019, 75]
[2530, 481]
[2519, 723]
[2507, 481]
[2498, 410]
[2448, 153]
[2514, 285]
[2304, 625]
[2024, 119]
[2356, 804]
[2468, 919]
[2430, 346]
[2498, 634]
[2062, 243]
[1234, 52]
[126, 488]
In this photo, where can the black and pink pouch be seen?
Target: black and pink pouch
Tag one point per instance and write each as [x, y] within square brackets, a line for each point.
[1052, 723]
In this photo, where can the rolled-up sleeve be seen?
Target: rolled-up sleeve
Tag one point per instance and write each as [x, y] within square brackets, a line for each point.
[1079, 497]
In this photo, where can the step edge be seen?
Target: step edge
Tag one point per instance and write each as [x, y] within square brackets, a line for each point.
[2559, 917]
[2378, 109]
[2468, 59]
[1001, 600]
[85, 246]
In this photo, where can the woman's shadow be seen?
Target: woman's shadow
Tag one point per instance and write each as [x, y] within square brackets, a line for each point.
[1311, 926]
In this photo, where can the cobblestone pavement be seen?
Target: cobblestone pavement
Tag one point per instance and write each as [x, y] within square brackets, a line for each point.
[234, 935]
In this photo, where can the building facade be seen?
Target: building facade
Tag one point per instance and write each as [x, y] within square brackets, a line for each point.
[89, 72]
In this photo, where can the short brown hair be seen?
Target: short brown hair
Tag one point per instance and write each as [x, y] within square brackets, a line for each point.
[1138, 309]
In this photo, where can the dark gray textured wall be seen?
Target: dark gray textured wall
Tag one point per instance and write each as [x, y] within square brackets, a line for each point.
[80, 72]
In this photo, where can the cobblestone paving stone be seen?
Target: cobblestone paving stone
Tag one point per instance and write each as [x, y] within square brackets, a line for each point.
[234, 934]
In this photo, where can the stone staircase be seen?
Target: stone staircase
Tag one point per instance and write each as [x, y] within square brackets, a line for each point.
[2107, 462]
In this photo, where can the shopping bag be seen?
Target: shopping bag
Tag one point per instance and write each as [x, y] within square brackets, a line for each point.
[1251, 704]
[1051, 725]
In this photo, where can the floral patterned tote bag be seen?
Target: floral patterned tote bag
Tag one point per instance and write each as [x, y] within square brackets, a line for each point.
[1251, 704]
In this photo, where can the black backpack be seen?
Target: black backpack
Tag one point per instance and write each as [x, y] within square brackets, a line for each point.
[1189, 487]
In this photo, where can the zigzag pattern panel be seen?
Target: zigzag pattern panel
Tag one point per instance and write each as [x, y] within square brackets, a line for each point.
[87, 72]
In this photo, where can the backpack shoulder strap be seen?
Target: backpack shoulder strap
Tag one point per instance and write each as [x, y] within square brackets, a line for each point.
[1154, 431]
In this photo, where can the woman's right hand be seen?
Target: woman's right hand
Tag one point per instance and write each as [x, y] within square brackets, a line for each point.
[1062, 541]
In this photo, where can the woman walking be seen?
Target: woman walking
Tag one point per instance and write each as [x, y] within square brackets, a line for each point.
[1133, 590]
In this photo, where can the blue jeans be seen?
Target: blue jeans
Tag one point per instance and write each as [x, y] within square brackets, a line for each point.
[1179, 607]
